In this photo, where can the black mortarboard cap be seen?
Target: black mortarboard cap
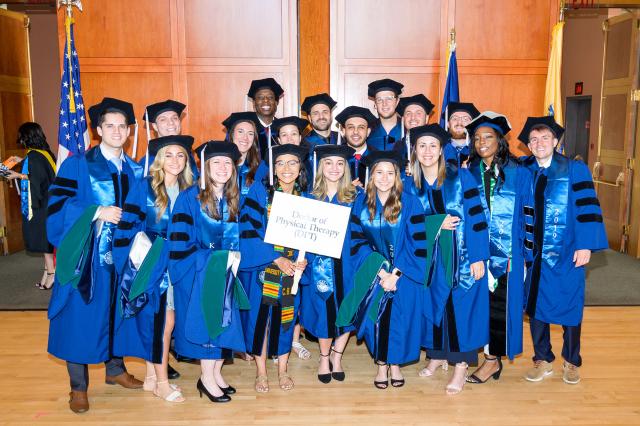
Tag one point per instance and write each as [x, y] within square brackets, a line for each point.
[218, 148]
[238, 117]
[547, 121]
[265, 83]
[374, 157]
[384, 84]
[430, 130]
[157, 144]
[278, 123]
[491, 119]
[322, 98]
[467, 107]
[420, 99]
[330, 150]
[356, 111]
[154, 110]
[112, 104]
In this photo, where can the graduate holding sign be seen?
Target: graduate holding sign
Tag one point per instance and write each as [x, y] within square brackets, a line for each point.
[85, 206]
[203, 260]
[329, 279]
[455, 322]
[268, 270]
[146, 291]
[388, 247]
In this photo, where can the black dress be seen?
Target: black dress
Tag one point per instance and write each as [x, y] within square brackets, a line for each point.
[41, 176]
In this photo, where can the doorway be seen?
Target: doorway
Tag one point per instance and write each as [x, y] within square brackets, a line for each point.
[578, 125]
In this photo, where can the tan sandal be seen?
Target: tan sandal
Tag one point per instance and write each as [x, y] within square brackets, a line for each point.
[174, 396]
[262, 384]
[285, 381]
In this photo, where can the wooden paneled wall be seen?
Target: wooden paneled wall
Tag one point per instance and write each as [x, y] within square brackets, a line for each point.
[200, 52]
[15, 108]
[502, 51]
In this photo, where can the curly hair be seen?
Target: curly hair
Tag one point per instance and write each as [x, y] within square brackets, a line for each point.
[156, 171]
[346, 191]
[500, 159]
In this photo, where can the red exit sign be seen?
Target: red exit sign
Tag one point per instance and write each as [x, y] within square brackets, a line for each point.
[578, 88]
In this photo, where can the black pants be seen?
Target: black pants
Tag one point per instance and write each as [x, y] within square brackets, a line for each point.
[541, 337]
[79, 373]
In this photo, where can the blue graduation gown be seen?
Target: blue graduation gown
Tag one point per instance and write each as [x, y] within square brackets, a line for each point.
[82, 332]
[147, 311]
[506, 246]
[193, 236]
[394, 337]
[243, 170]
[564, 215]
[256, 256]
[383, 141]
[465, 302]
[455, 156]
[313, 139]
[326, 282]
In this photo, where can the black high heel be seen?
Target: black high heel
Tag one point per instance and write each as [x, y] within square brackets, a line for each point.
[202, 389]
[326, 377]
[397, 383]
[337, 375]
[382, 384]
[229, 390]
[496, 376]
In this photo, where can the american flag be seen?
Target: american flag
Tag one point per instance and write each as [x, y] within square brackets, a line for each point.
[73, 137]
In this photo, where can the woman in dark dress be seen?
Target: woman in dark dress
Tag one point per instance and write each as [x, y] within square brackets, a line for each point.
[38, 172]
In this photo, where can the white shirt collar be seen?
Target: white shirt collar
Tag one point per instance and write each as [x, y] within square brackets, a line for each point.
[361, 150]
[265, 125]
[546, 163]
[108, 155]
[459, 142]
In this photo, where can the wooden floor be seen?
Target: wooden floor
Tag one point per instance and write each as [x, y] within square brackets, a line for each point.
[35, 387]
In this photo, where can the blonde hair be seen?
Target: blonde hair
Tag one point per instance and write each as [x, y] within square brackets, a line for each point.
[416, 167]
[346, 191]
[156, 171]
[393, 204]
[208, 200]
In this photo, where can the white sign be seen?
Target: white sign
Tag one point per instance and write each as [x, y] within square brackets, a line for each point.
[307, 225]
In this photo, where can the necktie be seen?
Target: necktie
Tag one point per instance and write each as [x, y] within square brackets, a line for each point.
[357, 156]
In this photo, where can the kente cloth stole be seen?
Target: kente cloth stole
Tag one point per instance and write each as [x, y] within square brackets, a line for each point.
[275, 283]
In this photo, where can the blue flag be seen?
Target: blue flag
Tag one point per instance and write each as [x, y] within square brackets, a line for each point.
[451, 91]
[73, 137]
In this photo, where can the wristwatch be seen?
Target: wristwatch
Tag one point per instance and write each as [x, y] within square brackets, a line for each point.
[397, 273]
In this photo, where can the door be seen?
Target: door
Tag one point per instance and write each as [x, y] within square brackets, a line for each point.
[576, 137]
[613, 168]
[16, 107]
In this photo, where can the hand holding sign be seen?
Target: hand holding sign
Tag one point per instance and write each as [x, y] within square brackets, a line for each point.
[305, 224]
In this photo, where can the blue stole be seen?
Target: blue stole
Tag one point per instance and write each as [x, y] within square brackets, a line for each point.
[556, 199]
[218, 233]
[500, 217]
[24, 190]
[243, 171]
[381, 234]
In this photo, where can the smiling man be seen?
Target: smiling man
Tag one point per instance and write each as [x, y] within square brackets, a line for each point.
[356, 125]
[85, 206]
[318, 109]
[459, 114]
[387, 131]
[414, 111]
[563, 224]
[266, 94]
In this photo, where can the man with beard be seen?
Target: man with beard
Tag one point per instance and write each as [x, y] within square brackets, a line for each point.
[266, 94]
[414, 111]
[318, 109]
[387, 131]
[356, 125]
[459, 114]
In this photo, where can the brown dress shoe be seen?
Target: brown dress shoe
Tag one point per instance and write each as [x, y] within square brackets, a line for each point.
[125, 380]
[78, 401]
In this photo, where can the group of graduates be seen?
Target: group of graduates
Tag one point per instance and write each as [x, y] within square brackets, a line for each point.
[451, 239]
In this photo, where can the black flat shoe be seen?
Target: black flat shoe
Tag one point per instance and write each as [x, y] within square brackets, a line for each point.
[172, 373]
[496, 376]
[229, 390]
[202, 389]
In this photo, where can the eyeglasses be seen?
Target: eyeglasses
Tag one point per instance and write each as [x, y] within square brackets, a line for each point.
[386, 99]
[461, 118]
[290, 163]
